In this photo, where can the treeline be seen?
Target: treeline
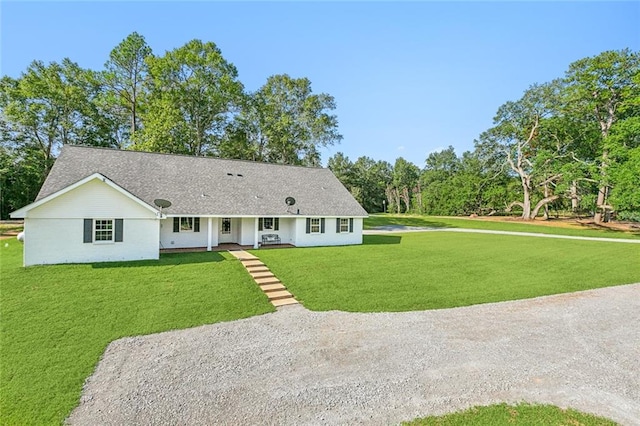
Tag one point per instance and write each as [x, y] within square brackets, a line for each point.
[187, 101]
[572, 144]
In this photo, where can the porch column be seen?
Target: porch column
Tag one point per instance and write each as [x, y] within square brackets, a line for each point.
[255, 234]
[209, 231]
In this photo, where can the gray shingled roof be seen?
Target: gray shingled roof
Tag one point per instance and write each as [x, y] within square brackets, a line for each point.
[207, 186]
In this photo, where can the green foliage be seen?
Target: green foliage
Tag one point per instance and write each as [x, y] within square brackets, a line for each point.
[284, 122]
[435, 270]
[124, 90]
[58, 320]
[522, 414]
[193, 93]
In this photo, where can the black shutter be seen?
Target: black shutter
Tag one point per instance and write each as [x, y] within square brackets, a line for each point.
[308, 225]
[119, 230]
[337, 225]
[276, 224]
[196, 224]
[88, 230]
[350, 224]
[176, 224]
[260, 224]
[322, 225]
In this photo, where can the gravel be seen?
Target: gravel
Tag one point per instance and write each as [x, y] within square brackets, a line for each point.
[579, 350]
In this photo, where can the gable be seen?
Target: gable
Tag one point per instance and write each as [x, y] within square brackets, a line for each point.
[93, 198]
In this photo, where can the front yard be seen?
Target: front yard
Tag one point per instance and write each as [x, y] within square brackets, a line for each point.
[58, 320]
[434, 270]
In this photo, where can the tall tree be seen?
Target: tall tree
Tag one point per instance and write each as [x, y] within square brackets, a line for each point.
[285, 122]
[516, 139]
[193, 96]
[601, 88]
[124, 77]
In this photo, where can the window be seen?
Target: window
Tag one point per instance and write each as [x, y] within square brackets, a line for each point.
[315, 225]
[344, 225]
[186, 224]
[226, 225]
[268, 224]
[103, 230]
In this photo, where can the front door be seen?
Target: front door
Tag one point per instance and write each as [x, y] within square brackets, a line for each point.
[226, 231]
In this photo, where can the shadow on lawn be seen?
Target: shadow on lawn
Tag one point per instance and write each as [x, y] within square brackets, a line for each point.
[381, 239]
[166, 259]
[386, 219]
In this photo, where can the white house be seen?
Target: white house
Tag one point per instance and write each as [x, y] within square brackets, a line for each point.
[101, 205]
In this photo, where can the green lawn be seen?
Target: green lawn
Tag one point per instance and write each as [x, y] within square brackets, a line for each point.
[517, 415]
[455, 222]
[56, 321]
[432, 270]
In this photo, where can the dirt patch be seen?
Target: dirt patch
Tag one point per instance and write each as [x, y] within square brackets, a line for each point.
[567, 223]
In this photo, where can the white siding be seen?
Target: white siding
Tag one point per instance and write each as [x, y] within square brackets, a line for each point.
[286, 230]
[94, 199]
[49, 241]
[247, 230]
[54, 230]
[330, 237]
[170, 239]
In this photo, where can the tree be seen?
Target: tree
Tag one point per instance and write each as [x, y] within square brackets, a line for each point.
[51, 105]
[404, 181]
[370, 179]
[284, 122]
[194, 93]
[601, 88]
[124, 77]
[516, 139]
[342, 168]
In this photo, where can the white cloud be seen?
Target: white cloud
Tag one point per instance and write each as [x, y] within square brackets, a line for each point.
[401, 148]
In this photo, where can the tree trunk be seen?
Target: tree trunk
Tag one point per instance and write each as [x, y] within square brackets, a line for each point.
[546, 205]
[602, 191]
[526, 202]
[574, 196]
[543, 203]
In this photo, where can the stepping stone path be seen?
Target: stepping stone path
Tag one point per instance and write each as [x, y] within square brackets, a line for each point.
[269, 283]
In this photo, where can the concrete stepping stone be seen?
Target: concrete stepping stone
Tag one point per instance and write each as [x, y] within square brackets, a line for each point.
[281, 294]
[268, 280]
[283, 302]
[271, 287]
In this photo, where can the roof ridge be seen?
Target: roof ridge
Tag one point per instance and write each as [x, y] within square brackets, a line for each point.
[102, 148]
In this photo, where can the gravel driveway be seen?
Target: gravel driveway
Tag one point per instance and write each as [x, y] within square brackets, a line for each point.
[299, 367]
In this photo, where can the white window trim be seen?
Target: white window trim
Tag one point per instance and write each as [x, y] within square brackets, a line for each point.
[264, 224]
[222, 231]
[344, 222]
[311, 225]
[191, 221]
[113, 231]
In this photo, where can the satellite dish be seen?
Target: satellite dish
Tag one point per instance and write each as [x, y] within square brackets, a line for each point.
[290, 201]
[163, 204]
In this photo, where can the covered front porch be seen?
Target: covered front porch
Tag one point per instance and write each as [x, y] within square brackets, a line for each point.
[211, 233]
[224, 247]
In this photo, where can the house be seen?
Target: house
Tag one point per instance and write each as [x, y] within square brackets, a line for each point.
[101, 205]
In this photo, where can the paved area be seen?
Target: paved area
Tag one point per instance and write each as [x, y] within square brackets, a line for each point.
[402, 228]
[275, 291]
[300, 367]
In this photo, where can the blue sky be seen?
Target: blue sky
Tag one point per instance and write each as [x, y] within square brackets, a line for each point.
[409, 78]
